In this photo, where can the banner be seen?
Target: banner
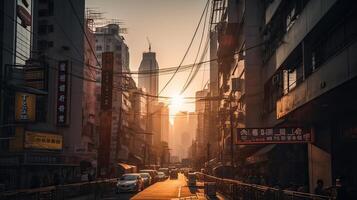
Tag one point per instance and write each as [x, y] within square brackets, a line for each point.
[25, 107]
[107, 80]
[36, 140]
[62, 93]
[273, 135]
[106, 115]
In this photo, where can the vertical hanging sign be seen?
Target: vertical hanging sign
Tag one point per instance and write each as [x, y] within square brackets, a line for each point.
[62, 93]
[106, 114]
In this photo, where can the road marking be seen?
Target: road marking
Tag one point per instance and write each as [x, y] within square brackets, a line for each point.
[179, 192]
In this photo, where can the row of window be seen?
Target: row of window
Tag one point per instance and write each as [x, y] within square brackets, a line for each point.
[315, 50]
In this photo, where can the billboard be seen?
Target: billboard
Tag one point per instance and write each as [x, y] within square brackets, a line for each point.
[273, 135]
[47, 141]
[25, 107]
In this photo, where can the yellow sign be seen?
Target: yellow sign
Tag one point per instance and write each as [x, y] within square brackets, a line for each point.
[25, 107]
[35, 140]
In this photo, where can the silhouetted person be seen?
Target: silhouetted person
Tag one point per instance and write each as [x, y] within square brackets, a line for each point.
[319, 190]
[342, 193]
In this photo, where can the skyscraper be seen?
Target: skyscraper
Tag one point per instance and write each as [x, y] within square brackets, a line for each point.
[149, 81]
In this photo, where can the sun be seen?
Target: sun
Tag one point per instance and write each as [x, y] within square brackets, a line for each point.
[176, 100]
[175, 105]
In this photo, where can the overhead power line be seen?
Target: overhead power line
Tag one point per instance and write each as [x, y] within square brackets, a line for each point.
[186, 84]
[188, 48]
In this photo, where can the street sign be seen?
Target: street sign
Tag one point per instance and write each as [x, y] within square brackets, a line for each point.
[273, 135]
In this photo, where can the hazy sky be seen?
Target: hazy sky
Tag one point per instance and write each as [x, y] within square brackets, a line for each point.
[170, 25]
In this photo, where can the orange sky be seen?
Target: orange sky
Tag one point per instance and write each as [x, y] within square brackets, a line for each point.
[170, 25]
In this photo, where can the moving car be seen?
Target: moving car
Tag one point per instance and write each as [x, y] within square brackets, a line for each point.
[146, 178]
[161, 176]
[173, 174]
[191, 179]
[131, 182]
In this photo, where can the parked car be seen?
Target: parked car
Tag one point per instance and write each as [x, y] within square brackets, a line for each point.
[152, 172]
[191, 179]
[173, 174]
[146, 178]
[161, 176]
[165, 170]
[131, 182]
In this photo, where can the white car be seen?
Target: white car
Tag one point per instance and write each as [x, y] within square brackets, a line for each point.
[146, 178]
[132, 182]
[161, 176]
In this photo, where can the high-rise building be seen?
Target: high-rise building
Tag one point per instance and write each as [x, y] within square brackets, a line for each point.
[282, 73]
[51, 55]
[147, 80]
[110, 42]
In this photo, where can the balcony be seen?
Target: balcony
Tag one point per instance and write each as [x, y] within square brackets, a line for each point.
[336, 71]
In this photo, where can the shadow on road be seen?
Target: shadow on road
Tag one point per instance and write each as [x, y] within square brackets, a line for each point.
[121, 196]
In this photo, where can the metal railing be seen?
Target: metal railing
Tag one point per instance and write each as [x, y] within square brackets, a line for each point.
[234, 189]
[61, 192]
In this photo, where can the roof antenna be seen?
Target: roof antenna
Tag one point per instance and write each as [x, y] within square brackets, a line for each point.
[147, 38]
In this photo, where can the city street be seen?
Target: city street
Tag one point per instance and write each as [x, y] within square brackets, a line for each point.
[168, 189]
[256, 99]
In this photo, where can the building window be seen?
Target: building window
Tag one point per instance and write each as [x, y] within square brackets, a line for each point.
[50, 44]
[50, 28]
[42, 29]
[99, 48]
[43, 13]
[51, 8]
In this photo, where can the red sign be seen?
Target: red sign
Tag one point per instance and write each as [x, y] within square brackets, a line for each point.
[107, 80]
[273, 135]
[106, 114]
[62, 93]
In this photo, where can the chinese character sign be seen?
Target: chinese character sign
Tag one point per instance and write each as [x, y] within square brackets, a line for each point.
[25, 107]
[36, 140]
[107, 80]
[273, 135]
[62, 93]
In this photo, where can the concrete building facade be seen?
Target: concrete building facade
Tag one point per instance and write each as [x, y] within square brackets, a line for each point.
[278, 68]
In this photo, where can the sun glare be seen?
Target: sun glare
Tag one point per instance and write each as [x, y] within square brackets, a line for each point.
[175, 105]
[176, 100]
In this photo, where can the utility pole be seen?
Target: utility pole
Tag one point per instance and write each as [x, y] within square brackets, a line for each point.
[231, 126]
[208, 151]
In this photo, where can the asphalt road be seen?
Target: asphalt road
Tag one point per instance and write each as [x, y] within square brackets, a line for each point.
[168, 189]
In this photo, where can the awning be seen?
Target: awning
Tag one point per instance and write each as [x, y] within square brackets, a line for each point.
[260, 155]
[125, 166]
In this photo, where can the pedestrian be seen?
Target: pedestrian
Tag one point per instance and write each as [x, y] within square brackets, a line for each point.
[342, 193]
[319, 190]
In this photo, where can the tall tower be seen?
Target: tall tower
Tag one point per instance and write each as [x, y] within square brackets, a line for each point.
[147, 80]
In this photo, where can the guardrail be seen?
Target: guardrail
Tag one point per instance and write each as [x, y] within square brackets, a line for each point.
[234, 189]
[61, 192]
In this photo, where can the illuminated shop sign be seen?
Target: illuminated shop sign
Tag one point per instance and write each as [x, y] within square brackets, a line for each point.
[273, 135]
[62, 93]
[25, 107]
